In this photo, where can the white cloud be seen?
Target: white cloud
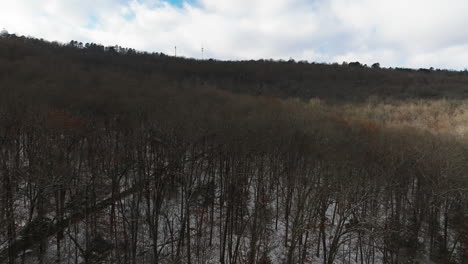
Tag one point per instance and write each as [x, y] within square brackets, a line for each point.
[416, 33]
[455, 57]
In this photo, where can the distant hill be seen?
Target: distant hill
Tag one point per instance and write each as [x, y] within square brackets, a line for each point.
[333, 82]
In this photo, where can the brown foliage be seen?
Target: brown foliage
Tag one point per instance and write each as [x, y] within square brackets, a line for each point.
[62, 119]
[368, 126]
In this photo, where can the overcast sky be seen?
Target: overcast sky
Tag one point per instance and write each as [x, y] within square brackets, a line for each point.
[402, 33]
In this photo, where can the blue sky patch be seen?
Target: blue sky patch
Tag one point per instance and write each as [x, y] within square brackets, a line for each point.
[93, 21]
[176, 2]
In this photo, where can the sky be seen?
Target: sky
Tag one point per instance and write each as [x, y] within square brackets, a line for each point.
[395, 33]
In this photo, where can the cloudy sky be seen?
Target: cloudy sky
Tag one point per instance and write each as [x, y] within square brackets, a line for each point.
[404, 33]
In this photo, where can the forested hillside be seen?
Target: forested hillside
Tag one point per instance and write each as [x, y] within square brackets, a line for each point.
[349, 81]
[109, 155]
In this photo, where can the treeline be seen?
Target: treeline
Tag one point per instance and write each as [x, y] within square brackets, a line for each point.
[107, 163]
[333, 82]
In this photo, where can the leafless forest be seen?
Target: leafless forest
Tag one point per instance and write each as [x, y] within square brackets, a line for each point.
[110, 155]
